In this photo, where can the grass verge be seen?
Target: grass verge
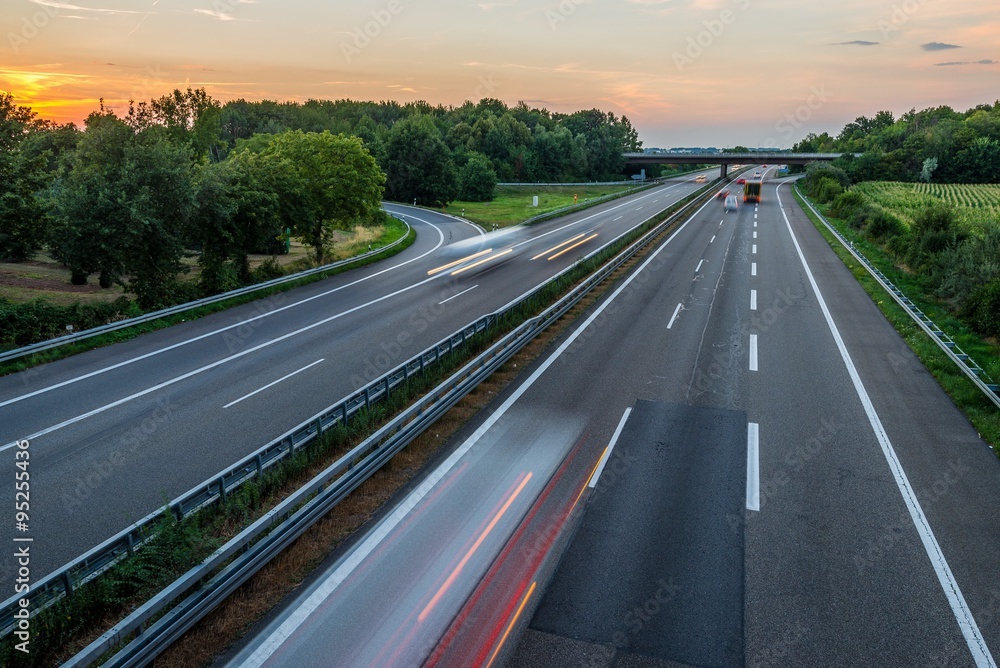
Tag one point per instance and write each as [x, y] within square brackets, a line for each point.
[392, 233]
[69, 626]
[513, 204]
[980, 411]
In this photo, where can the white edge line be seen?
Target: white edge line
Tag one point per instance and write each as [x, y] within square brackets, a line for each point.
[963, 616]
[458, 295]
[611, 446]
[753, 466]
[753, 352]
[272, 384]
[673, 318]
[297, 617]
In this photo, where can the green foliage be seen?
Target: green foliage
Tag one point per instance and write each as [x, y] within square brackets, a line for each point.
[29, 322]
[983, 308]
[476, 179]
[23, 214]
[419, 166]
[827, 189]
[846, 204]
[330, 182]
[123, 209]
[950, 146]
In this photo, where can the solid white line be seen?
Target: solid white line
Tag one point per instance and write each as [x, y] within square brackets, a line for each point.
[698, 268]
[610, 448]
[966, 622]
[755, 249]
[458, 295]
[753, 300]
[753, 352]
[233, 403]
[753, 466]
[713, 239]
[673, 318]
[753, 268]
[297, 617]
[259, 316]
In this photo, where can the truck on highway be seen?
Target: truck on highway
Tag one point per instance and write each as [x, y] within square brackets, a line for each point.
[751, 190]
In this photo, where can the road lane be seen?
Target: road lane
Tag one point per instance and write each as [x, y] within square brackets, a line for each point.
[138, 447]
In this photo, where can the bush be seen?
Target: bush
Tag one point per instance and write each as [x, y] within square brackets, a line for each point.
[846, 204]
[268, 270]
[882, 226]
[828, 189]
[982, 308]
[39, 320]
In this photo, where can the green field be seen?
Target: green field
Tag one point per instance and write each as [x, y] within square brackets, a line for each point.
[976, 206]
[512, 204]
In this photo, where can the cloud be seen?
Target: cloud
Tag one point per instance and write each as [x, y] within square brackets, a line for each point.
[855, 42]
[938, 46]
[77, 8]
[220, 16]
[985, 61]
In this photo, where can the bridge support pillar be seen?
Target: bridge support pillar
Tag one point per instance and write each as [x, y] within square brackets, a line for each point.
[725, 170]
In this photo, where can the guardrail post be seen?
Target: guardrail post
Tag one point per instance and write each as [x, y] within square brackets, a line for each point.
[368, 399]
[68, 583]
[387, 387]
[130, 547]
[319, 428]
[222, 488]
[291, 447]
[260, 465]
[343, 409]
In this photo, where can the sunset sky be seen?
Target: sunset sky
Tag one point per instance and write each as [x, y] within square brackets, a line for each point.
[686, 72]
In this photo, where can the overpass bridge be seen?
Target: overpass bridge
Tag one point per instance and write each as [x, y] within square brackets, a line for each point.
[726, 159]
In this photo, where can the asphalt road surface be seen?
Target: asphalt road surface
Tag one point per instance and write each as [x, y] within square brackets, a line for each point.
[733, 459]
[116, 432]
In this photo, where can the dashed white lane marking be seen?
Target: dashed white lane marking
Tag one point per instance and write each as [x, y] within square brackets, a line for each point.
[753, 268]
[609, 449]
[698, 268]
[272, 384]
[753, 300]
[753, 466]
[673, 318]
[753, 352]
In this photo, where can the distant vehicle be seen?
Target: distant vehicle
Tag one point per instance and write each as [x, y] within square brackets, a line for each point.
[751, 190]
[722, 194]
[700, 178]
[732, 203]
[765, 166]
[741, 181]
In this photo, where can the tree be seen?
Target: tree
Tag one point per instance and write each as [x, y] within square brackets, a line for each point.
[477, 180]
[123, 209]
[191, 117]
[336, 182]
[237, 212]
[418, 164]
[930, 164]
[22, 177]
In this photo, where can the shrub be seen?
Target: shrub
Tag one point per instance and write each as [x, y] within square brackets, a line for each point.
[882, 226]
[38, 320]
[828, 189]
[982, 308]
[846, 204]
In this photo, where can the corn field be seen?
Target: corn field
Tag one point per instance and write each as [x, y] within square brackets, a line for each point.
[976, 206]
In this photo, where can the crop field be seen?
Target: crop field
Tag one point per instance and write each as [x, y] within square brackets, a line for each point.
[976, 206]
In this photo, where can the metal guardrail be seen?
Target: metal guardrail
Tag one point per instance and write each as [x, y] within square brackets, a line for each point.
[24, 351]
[294, 515]
[964, 362]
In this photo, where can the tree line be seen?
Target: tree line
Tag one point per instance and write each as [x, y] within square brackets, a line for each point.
[125, 198]
[937, 144]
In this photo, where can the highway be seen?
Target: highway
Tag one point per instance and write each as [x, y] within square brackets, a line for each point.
[732, 459]
[116, 432]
